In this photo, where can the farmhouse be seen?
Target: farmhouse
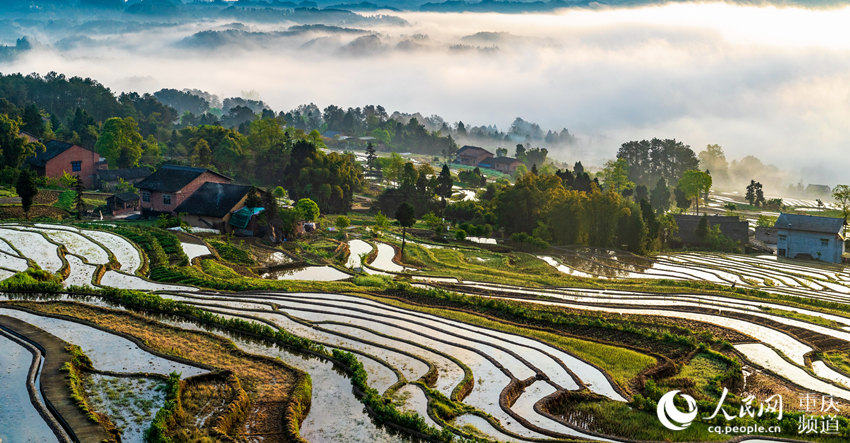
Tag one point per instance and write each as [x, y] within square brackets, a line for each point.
[730, 226]
[109, 179]
[164, 190]
[807, 236]
[473, 155]
[213, 205]
[505, 164]
[60, 157]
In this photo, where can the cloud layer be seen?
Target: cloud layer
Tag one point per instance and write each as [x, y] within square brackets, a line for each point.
[765, 81]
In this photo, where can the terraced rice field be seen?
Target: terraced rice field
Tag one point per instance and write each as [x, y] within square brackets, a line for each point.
[14, 371]
[410, 342]
[108, 352]
[809, 279]
[496, 374]
[773, 346]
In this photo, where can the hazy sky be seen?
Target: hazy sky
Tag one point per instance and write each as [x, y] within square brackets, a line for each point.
[771, 82]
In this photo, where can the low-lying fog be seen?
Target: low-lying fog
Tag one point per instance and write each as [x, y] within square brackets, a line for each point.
[766, 81]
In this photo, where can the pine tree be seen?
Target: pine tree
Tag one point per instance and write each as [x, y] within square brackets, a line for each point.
[371, 157]
[26, 189]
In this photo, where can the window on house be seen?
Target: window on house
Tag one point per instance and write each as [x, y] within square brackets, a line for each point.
[146, 196]
[824, 242]
[76, 166]
[166, 199]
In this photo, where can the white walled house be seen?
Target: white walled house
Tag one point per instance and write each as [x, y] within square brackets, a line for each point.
[807, 236]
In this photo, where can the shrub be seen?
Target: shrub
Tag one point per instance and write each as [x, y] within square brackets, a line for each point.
[232, 253]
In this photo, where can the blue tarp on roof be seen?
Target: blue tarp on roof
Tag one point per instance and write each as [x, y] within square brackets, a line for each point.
[241, 217]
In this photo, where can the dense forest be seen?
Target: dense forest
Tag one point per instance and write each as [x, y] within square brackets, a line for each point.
[624, 205]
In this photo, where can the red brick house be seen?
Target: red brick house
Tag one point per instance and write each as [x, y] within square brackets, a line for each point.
[505, 164]
[60, 157]
[164, 190]
[473, 155]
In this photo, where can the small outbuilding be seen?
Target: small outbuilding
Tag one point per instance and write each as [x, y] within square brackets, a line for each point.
[110, 179]
[808, 236]
[123, 203]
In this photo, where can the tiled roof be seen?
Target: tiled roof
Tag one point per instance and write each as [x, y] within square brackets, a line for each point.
[52, 149]
[213, 199]
[171, 178]
[809, 223]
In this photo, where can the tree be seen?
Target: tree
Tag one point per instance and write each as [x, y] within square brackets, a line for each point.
[435, 223]
[649, 160]
[755, 194]
[308, 209]
[616, 176]
[406, 218]
[79, 203]
[693, 184]
[120, 142]
[641, 193]
[683, 202]
[381, 222]
[342, 223]
[393, 169]
[714, 160]
[32, 121]
[202, 154]
[371, 157]
[15, 148]
[841, 194]
[26, 189]
[444, 184]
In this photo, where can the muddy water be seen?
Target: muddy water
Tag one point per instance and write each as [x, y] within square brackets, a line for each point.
[19, 420]
[131, 403]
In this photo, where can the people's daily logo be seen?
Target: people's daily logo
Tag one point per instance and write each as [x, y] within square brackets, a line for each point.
[671, 417]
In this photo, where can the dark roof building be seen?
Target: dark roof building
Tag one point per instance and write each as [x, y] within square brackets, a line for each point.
[213, 204]
[61, 157]
[507, 165]
[809, 223]
[808, 236]
[52, 149]
[164, 190]
[108, 179]
[214, 199]
[730, 226]
[172, 178]
[122, 203]
[472, 155]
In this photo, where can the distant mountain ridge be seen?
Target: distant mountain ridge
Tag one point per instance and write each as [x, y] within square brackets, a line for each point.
[177, 7]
